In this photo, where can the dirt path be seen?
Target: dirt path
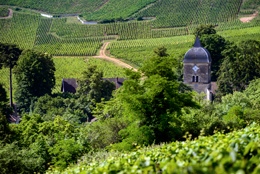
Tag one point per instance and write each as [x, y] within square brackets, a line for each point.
[9, 15]
[248, 19]
[102, 54]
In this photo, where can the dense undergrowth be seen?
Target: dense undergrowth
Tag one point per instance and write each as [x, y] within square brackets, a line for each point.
[235, 152]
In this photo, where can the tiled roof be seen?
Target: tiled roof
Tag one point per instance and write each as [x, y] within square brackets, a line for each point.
[70, 85]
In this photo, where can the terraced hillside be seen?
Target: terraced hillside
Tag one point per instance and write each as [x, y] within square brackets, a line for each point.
[57, 7]
[167, 13]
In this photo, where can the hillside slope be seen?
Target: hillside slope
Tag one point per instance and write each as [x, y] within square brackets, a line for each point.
[58, 6]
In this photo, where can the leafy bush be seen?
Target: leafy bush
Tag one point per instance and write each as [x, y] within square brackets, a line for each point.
[231, 153]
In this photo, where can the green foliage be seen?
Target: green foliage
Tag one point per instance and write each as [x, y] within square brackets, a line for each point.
[4, 109]
[9, 55]
[220, 153]
[240, 66]
[155, 103]
[215, 44]
[4, 11]
[252, 92]
[5, 131]
[91, 84]
[54, 142]
[105, 131]
[204, 29]
[15, 159]
[8, 59]
[66, 151]
[234, 116]
[231, 100]
[160, 51]
[35, 77]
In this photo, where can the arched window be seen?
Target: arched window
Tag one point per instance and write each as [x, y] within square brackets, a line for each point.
[193, 78]
[197, 78]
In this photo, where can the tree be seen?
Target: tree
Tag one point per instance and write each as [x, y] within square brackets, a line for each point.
[153, 103]
[204, 29]
[35, 77]
[9, 55]
[241, 65]
[91, 84]
[160, 51]
[215, 44]
[4, 109]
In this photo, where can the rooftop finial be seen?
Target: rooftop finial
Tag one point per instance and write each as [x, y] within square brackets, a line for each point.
[197, 42]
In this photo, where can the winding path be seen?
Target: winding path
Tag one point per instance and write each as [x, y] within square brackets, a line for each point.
[102, 55]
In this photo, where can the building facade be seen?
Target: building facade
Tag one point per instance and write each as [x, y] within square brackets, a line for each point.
[197, 69]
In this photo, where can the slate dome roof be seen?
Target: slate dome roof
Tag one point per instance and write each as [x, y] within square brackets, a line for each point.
[197, 54]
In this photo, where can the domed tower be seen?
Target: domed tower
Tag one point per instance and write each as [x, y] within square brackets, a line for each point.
[197, 69]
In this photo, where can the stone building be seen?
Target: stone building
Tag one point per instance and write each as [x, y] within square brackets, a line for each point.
[197, 69]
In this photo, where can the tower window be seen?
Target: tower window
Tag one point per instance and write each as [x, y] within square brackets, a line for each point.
[195, 78]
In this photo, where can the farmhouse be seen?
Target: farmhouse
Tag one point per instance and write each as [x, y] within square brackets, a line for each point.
[70, 85]
[197, 70]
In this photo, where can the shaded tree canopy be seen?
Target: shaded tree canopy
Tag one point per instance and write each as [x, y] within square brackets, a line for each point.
[240, 66]
[204, 29]
[91, 84]
[152, 101]
[9, 53]
[160, 51]
[35, 77]
[214, 43]
[4, 109]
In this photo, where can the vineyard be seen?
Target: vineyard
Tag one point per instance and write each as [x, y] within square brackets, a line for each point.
[174, 13]
[57, 7]
[236, 152]
[71, 67]
[139, 50]
[22, 30]
[4, 11]
[117, 8]
[132, 40]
